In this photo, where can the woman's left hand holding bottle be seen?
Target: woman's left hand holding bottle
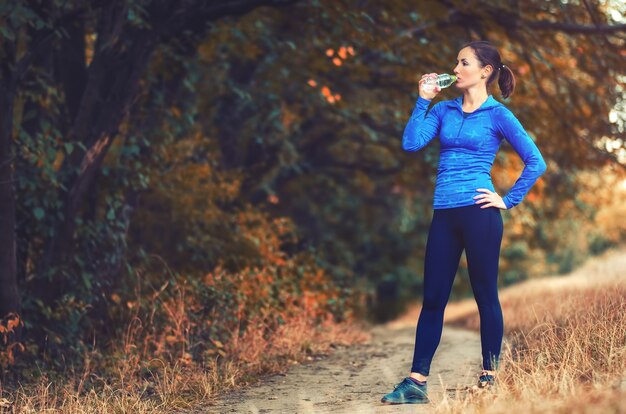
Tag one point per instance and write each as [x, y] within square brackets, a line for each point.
[429, 91]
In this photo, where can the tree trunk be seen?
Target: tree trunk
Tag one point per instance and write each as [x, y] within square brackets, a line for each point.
[109, 94]
[9, 299]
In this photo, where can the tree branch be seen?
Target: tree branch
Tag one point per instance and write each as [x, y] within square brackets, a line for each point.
[597, 24]
[575, 28]
[171, 23]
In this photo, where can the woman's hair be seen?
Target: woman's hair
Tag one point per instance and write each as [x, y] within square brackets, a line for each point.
[488, 55]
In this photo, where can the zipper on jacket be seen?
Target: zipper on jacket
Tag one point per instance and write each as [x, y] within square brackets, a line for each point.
[462, 122]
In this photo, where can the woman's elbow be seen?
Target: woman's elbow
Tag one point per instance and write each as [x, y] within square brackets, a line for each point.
[542, 166]
[411, 141]
[536, 164]
[409, 146]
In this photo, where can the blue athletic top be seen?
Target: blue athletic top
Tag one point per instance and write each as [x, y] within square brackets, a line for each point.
[468, 146]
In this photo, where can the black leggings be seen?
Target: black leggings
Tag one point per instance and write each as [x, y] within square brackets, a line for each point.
[479, 231]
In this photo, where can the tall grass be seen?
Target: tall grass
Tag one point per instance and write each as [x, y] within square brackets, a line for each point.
[138, 384]
[566, 345]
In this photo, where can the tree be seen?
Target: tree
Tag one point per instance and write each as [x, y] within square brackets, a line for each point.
[97, 96]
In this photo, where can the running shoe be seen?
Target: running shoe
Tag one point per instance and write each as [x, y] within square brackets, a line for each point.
[486, 380]
[407, 392]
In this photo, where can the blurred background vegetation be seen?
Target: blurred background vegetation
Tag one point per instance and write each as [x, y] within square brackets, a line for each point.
[242, 159]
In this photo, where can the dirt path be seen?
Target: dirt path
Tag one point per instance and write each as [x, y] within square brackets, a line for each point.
[354, 379]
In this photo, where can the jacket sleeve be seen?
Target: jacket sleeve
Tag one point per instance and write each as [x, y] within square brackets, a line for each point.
[422, 127]
[512, 130]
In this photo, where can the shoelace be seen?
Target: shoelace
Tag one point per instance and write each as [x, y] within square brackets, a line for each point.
[398, 384]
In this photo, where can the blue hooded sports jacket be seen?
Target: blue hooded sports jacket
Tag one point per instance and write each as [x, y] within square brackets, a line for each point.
[468, 145]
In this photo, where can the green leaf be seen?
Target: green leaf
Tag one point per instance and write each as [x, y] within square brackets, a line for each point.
[368, 17]
[132, 149]
[86, 280]
[6, 33]
[40, 24]
[39, 213]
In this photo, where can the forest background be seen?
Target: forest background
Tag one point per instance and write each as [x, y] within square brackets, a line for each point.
[175, 174]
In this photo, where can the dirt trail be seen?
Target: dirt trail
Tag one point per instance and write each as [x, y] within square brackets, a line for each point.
[354, 379]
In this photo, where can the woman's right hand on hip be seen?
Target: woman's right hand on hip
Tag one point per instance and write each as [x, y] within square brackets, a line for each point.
[427, 93]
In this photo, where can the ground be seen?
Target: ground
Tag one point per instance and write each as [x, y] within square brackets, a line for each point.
[354, 379]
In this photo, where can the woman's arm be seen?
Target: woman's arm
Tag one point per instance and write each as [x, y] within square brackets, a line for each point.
[422, 127]
[511, 129]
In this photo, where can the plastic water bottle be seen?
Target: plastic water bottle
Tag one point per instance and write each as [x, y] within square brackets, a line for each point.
[443, 81]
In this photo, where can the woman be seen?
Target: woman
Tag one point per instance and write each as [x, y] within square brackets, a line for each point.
[466, 207]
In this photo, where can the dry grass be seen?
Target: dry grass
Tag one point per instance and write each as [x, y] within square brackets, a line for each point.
[156, 386]
[565, 347]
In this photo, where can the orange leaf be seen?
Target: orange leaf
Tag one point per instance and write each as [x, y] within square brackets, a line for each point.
[12, 323]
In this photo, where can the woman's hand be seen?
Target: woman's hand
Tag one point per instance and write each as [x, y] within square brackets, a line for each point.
[490, 197]
[428, 93]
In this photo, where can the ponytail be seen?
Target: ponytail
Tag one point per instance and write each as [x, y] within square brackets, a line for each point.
[506, 81]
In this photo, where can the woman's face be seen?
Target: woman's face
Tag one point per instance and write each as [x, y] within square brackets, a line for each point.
[468, 70]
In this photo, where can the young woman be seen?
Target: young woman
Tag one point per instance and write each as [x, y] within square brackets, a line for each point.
[466, 207]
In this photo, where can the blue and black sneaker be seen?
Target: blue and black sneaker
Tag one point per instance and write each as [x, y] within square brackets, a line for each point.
[486, 381]
[407, 392]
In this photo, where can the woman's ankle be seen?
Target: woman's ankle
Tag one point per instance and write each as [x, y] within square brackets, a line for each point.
[418, 376]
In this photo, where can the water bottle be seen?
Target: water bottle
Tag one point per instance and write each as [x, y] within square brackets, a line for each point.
[443, 81]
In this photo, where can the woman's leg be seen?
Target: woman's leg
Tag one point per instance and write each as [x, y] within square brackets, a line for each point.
[483, 236]
[443, 252]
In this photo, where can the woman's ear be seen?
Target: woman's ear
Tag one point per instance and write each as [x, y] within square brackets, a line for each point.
[486, 72]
